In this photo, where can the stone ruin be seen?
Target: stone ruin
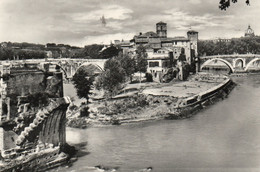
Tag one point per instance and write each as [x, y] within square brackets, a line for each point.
[32, 117]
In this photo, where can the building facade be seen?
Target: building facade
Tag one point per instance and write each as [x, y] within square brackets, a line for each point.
[163, 52]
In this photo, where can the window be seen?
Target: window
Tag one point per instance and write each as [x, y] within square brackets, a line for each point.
[153, 64]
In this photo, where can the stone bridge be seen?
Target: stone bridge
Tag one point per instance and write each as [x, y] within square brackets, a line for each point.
[236, 63]
[68, 66]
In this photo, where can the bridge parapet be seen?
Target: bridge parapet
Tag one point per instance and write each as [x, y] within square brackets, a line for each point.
[232, 56]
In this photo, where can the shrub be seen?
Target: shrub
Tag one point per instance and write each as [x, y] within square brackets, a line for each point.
[73, 107]
[149, 77]
[38, 99]
[84, 112]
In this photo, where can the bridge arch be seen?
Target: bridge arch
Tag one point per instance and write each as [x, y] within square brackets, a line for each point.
[91, 66]
[64, 71]
[237, 61]
[251, 62]
[218, 59]
[53, 67]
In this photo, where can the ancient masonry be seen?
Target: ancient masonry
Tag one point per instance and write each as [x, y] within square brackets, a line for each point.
[32, 117]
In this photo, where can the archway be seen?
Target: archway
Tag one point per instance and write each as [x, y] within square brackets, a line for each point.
[239, 63]
[92, 69]
[58, 66]
[251, 63]
[218, 59]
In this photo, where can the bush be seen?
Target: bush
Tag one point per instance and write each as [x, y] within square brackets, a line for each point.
[149, 77]
[121, 106]
[73, 107]
[141, 100]
[84, 112]
[38, 99]
[77, 123]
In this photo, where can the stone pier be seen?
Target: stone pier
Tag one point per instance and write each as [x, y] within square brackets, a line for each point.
[32, 117]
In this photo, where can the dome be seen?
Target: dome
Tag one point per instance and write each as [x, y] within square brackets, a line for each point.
[249, 32]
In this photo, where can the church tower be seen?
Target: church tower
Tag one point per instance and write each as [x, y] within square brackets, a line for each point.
[161, 29]
[193, 36]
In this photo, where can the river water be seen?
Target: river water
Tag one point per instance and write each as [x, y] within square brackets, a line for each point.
[223, 137]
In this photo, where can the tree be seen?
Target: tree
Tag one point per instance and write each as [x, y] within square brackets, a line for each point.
[127, 63]
[92, 50]
[6, 53]
[109, 52]
[224, 4]
[112, 78]
[141, 62]
[82, 83]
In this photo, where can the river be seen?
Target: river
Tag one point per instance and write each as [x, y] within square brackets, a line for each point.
[223, 137]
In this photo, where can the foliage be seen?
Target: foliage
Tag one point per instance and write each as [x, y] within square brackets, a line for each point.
[149, 77]
[141, 62]
[6, 53]
[127, 63]
[77, 123]
[31, 54]
[112, 78]
[73, 107]
[78, 53]
[84, 112]
[25, 45]
[93, 50]
[224, 4]
[236, 45]
[38, 99]
[82, 83]
[121, 106]
[182, 56]
[109, 52]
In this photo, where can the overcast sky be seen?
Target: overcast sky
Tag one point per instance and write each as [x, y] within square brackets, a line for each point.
[77, 22]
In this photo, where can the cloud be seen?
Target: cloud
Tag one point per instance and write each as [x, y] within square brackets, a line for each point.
[78, 21]
[183, 20]
[110, 12]
[108, 38]
[195, 1]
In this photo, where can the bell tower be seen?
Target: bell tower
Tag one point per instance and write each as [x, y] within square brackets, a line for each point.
[161, 29]
[193, 36]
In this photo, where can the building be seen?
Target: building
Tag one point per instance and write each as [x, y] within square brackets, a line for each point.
[163, 51]
[161, 29]
[126, 46]
[249, 32]
[216, 40]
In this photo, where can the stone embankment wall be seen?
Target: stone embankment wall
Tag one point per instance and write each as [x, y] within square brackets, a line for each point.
[208, 94]
[32, 117]
[186, 107]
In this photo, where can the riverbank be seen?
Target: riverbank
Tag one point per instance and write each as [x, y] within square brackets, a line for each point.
[175, 100]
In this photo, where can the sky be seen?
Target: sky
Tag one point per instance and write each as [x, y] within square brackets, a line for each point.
[77, 22]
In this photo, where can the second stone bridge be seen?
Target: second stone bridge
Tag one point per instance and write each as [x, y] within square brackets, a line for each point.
[236, 63]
